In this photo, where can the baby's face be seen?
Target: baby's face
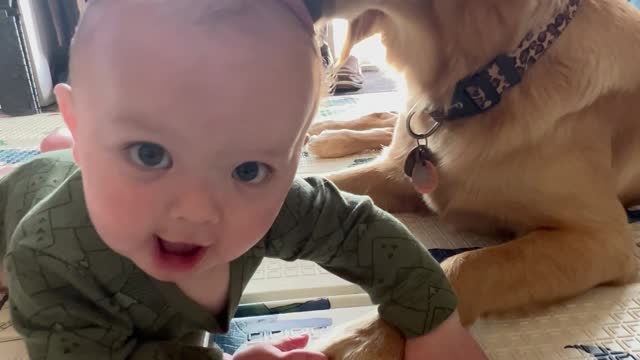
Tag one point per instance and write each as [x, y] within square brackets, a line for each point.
[189, 140]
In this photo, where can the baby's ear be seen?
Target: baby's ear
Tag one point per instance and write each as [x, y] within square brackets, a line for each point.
[65, 104]
[63, 94]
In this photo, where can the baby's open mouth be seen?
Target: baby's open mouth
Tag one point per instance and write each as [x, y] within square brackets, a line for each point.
[174, 256]
[178, 249]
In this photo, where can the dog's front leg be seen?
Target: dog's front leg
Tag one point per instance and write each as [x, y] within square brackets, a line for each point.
[539, 268]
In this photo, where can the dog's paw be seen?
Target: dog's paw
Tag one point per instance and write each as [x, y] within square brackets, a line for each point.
[369, 338]
[328, 144]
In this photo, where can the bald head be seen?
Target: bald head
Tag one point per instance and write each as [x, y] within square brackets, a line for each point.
[115, 20]
[201, 62]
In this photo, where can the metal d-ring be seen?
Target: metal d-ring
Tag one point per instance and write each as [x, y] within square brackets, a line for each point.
[426, 135]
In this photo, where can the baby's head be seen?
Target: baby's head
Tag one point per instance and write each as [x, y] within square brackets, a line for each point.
[188, 119]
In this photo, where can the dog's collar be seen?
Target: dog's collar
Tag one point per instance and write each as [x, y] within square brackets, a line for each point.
[483, 90]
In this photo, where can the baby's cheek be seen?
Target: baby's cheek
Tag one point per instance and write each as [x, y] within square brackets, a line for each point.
[120, 214]
[251, 226]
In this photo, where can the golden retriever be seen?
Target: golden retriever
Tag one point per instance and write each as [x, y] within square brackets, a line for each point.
[553, 164]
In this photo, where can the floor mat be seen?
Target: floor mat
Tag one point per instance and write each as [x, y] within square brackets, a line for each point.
[11, 346]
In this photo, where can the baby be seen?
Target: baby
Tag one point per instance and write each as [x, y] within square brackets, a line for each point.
[188, 119]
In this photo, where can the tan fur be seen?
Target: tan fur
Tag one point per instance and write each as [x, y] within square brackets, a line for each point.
[334, 139]
[368, 338]
[374, 120]
[553, 163]
[348, 142]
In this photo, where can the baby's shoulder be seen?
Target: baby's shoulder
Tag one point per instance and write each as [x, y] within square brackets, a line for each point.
[42, 173]
[46, 212]
[56, 240]
[308, 188]
[316, 192]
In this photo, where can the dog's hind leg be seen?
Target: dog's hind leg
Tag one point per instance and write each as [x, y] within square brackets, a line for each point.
[370, 121]
[386, 185]
[340, 143]
[383, 179]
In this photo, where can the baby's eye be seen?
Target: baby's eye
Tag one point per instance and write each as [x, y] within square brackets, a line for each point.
[149, 155]
[252, 172]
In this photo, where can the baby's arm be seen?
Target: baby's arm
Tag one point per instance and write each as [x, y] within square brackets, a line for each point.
[352, 238]
[448, 341]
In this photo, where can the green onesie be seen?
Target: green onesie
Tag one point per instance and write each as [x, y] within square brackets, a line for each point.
[72, 297]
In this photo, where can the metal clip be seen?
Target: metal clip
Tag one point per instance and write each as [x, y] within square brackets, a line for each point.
[432, 130]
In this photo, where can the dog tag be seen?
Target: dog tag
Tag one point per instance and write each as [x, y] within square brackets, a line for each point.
[421, 170]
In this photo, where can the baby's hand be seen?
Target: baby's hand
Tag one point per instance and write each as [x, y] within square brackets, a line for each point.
[289, 349]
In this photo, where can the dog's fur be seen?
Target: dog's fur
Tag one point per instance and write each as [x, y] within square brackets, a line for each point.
[368, 338]
[332, 139]
[553, 164]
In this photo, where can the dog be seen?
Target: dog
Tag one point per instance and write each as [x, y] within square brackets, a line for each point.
[535, 112]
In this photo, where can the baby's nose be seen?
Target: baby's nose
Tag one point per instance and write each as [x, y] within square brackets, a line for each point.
[197, 204]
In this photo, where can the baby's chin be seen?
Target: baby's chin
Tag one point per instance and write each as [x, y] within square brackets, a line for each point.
[164, 275]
